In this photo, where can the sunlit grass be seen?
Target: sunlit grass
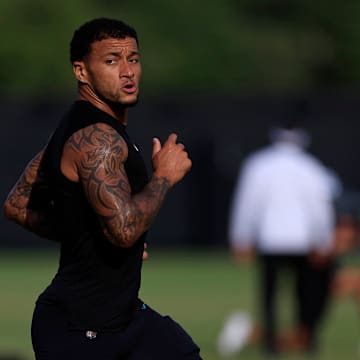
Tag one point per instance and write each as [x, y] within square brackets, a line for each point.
[198, 289]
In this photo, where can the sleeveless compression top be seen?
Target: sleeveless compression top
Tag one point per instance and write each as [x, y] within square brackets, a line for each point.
[97, 283]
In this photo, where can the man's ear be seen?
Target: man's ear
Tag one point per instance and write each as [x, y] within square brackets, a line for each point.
[80, 71]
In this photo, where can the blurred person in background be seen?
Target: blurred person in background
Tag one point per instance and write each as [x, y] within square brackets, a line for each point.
[89, 190]
[283, 212]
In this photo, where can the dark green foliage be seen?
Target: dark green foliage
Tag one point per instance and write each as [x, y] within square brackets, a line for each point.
[218, 46]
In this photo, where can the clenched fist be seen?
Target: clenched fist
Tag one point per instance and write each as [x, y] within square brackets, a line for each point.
[170, 160]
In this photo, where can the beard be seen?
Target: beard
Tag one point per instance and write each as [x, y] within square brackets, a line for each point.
[118, 104]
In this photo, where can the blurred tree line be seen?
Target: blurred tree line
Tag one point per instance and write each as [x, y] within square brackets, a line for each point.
[187, 46]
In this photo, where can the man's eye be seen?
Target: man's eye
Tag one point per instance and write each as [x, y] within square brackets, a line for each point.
[110, 61]
[134, 61]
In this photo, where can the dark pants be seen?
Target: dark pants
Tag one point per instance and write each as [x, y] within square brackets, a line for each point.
[311, 288]
[150, 336]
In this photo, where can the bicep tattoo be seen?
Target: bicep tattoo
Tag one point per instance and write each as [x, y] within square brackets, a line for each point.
[102, 154]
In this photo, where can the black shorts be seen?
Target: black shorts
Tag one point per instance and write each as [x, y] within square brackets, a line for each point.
[150, 336]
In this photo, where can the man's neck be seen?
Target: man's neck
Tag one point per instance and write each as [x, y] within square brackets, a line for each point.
[87, 94]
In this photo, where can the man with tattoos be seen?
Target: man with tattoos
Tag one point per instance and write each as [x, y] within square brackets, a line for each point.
[88, 189]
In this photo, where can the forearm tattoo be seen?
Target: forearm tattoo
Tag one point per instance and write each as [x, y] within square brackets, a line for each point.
[102, 153]
[28, 203]
[18, 199]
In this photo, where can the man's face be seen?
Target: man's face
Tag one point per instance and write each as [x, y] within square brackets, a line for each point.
[113, 70]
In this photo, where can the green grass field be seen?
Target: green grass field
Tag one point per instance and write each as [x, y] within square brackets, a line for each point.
[199, 289]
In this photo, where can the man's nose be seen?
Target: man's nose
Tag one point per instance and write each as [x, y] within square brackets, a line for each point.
[126, 70]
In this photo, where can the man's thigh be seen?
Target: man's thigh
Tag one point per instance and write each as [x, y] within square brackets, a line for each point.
[164, 339]
[53, 340]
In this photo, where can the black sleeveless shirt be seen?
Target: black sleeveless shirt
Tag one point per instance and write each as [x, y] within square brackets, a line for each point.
[97, 283]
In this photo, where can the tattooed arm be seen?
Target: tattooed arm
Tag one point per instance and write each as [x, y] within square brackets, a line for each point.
[19, 207]
[99, 154]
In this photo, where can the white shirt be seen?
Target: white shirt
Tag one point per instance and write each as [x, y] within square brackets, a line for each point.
[283, 202]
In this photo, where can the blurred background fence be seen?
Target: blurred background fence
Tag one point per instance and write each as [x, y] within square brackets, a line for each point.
[218, 133]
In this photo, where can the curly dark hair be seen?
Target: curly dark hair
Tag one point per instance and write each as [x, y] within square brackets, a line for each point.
[96, 30]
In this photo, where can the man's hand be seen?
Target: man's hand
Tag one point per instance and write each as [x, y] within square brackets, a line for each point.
[243, 256]
[145, 253]
[170, 160]
[319, 260]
